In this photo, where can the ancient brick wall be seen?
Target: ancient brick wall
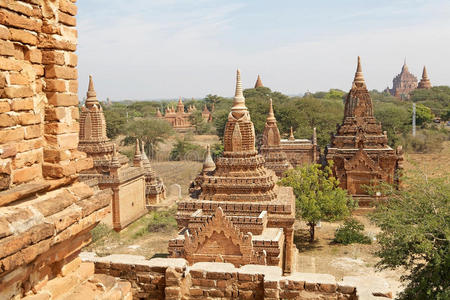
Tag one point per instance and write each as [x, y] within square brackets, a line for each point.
[45, 214]
[38, 91]
[165, 278]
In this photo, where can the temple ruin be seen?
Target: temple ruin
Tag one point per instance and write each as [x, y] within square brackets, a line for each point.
[359, 148]
[181, 119]
[404, 83]
[300, 152]
[240, 217]
[258, 82]
[425, 81]
[275, 158]
[135, 187]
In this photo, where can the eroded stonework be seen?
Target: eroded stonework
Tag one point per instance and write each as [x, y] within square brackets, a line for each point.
[240, 215]
[300, 152]
[360, 149]
[135, 187]
[274, 156]
[46, 214]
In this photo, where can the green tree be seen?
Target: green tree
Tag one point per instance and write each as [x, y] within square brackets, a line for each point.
[318, 195]
[423, 114]
[415, 225]
[151, 131]
[183, 150]
[395, 119]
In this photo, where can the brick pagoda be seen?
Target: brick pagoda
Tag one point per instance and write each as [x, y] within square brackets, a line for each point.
[300, 152]
[134, 188]
[404, 83]
[180, 119]
[258, 82]
[360, 149]
[425, 81]
[275, 158]
[240, 216]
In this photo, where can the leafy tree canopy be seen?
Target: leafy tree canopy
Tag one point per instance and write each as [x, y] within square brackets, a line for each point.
[318, 195]
[415, 225]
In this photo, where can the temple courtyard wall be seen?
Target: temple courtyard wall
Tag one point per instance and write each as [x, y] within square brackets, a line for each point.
[173, 278]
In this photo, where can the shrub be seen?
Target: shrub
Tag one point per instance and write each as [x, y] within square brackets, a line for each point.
[351, 232]
[425, 141]
[184, 150]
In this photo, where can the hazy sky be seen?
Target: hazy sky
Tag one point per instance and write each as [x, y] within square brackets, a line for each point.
[150, 49]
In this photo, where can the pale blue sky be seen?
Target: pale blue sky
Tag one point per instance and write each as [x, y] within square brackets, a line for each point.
[149, 49]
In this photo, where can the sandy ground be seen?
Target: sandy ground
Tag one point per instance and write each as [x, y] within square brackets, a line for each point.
[322, 256]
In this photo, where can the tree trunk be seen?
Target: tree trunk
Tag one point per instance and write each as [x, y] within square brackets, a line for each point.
[312, 227]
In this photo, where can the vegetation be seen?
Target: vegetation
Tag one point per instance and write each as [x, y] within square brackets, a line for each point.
[322, 110]
[151, 131]
[437, 98]
[351, 232]
[318, 195]
[415, 225]
[184, 150]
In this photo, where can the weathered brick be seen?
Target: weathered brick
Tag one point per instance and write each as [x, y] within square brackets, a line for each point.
[59, 128]
[55, 113]
[8, 120]
[16, 20]
[23, 36]
[29, 118]
[27, 159]
[11, 135]
[22, 104]
[34, 55]
[33, 131]
[68, 7]
[18, 92]
[9, 64]
[53, 57]
[27, 174]
[55, 85]
[4, 106]
[6, 48]
[60, 99]
[67, 19]
[60, 72]
[18, 79]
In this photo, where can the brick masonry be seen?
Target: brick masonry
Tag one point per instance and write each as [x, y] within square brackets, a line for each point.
[172, 278]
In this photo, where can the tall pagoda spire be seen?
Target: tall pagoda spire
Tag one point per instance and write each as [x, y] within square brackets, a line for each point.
[239, 100]
[258, 82]
[425, 81]
[180, 105]
[137, 161]
[91, 98]
[359, 77]
[271, 115]
[291, 135]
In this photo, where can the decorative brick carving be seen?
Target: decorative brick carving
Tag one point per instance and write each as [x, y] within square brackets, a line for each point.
[275, 158]
[238, 205]
[359, 149]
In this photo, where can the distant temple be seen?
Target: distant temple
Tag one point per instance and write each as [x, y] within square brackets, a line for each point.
[237, 214]
[405, 82]
[425, 81]
[180, 119]
[258, 82]
[134, 188]
[360, 149]
[275, 157]
[300, 152]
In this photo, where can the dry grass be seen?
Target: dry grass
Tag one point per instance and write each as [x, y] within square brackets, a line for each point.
[433, 164]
